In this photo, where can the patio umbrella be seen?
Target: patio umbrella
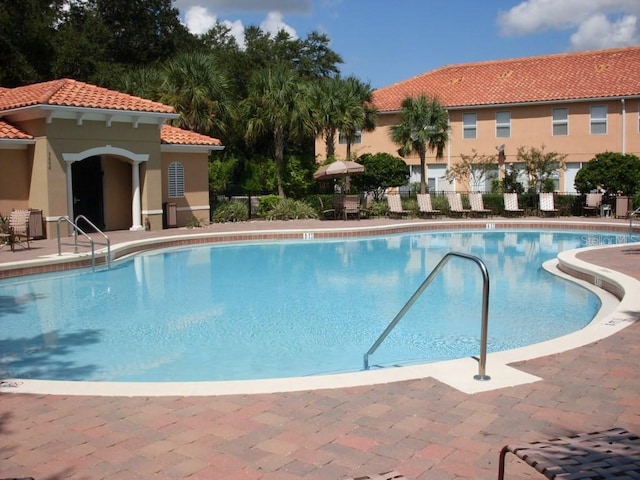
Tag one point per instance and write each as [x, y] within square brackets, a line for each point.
[338, 169]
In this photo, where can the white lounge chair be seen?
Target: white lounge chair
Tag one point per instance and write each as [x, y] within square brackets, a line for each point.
[455, 204]
[425, 207]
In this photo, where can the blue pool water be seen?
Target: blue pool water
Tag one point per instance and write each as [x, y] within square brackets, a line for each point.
[288, 308]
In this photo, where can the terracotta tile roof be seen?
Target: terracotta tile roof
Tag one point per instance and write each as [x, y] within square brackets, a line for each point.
[10, 132]
[570, 76]
[67, 92]
[177, 136]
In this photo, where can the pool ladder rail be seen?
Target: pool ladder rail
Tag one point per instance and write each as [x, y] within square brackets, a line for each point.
[631, 215]
[88, 239]
[482, 363]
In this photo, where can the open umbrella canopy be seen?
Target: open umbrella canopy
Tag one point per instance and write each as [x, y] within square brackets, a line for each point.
[338, 169]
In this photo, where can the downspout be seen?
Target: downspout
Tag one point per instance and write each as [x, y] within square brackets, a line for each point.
[449, 148]
[624, 125]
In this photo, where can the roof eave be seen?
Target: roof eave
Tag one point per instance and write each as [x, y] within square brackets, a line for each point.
[183, 148]
[16, 143]
[87, 113]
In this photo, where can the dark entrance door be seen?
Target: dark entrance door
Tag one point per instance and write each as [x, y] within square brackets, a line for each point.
[87, 191]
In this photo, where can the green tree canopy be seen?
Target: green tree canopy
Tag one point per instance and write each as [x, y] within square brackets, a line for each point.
[540, 166]
[381, 171]
[612, 172]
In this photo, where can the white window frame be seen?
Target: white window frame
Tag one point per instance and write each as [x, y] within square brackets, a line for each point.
[598, 121]
[175, 178]
[342, 140]
[561, 122]
[502, 126]
[469, 128]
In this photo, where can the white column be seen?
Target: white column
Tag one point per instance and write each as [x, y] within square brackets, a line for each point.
[69, 190]
[136, 210]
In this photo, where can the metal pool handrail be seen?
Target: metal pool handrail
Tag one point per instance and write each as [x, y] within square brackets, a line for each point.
[485, 311]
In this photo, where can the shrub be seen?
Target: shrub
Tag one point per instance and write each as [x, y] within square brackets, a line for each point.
[195, 222]
[289, 209]
[233, 211]
[267, 203]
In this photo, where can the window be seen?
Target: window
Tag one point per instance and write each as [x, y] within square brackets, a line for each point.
[469, 125]
[599, 120]
[357, 138]
[176, 180]
[503, 124]
[560, 122]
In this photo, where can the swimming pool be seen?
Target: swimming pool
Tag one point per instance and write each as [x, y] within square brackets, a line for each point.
[287, 308]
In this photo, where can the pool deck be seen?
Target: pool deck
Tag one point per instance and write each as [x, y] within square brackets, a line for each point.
[423, 428]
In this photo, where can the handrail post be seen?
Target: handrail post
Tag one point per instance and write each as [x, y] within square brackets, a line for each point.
[485, 312]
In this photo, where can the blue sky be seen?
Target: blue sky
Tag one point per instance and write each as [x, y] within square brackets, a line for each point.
[383, 42]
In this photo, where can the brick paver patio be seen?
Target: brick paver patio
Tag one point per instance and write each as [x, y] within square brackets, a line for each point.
[421, 428]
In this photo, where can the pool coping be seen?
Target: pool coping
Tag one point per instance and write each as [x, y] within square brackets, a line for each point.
[612, 287]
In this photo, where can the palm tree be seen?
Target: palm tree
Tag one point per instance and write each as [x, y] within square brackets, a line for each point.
[198, 89]
[424, 126]
[324, 96]
[358, 112]
[276, 105]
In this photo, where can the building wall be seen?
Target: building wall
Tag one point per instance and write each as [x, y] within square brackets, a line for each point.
[14, 184]
[195, 202]
[531, 126]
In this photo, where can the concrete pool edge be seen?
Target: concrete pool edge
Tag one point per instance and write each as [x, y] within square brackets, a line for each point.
[455, 373]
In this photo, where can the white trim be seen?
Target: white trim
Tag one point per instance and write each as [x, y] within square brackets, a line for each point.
[152, 212]
[15, 144]
[194, 208]
[106, 150]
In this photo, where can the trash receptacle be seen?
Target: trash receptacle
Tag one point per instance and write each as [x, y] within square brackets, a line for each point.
[36, 225]
[169, 215]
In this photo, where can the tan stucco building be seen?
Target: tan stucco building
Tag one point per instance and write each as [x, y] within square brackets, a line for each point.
[578, 104]
[69, 148]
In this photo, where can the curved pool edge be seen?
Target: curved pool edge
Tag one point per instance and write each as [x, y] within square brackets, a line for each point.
[615, 314]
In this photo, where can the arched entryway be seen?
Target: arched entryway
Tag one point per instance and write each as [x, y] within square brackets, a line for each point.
[101, 200]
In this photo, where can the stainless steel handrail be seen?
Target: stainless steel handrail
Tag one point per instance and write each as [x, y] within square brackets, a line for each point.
[485, 311]
[107, 242]
[89, 241]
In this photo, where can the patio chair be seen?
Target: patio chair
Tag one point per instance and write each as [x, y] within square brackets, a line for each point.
[511, 204]
[351, 206]
[547, 204]
[393, 475]
[18, 229]
[395, 205]
[477, 205]
[425, 207]
[365, 208]
[592, 204]
[610, 454]
[326, 212]
[455, 204]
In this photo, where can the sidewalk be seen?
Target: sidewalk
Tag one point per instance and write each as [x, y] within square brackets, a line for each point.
[422, 428]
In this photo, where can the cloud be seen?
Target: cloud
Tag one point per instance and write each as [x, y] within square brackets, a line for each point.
[597, 23]
[274, 23]
[198, 20]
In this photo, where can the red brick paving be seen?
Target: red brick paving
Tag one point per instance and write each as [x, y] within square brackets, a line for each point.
[422, 428]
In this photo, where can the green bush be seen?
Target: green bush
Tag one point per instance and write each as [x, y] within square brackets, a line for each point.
[266, 204]
[289, 209]
[232, 211]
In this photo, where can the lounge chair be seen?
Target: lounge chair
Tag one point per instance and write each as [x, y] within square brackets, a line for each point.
[455, 204]
[18, 229]
[477, 205]
[395, 205]
[609, 454]
[547, 204]
[511, 204]
[425, 207]
[393, 475]
[592, 204]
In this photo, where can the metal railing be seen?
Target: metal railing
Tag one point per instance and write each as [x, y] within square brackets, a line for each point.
[88, 242]
[485, 311]
[631, 215]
